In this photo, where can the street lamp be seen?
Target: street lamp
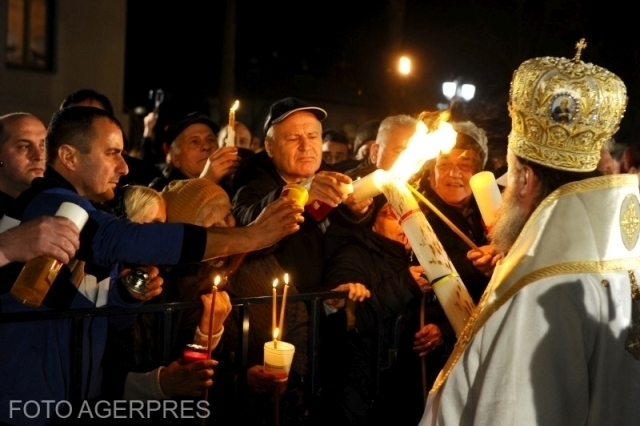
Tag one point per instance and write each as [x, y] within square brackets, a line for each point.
[404, 65]
[453, 89]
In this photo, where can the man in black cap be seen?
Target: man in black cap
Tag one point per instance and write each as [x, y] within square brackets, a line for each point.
[293, 154]
[194, 145]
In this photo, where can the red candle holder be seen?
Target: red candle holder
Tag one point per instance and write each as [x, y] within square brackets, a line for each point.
[193, 353]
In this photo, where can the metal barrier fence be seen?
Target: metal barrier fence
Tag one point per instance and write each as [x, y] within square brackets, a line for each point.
[166, 310]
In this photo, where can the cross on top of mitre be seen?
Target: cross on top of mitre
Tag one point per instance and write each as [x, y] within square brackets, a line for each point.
[580, 46]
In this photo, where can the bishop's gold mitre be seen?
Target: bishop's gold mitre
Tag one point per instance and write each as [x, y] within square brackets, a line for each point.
[563, 111]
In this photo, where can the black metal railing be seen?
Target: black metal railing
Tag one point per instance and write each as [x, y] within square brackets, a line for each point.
[167, 310]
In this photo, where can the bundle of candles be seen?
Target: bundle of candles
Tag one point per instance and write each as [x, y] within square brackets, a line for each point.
[277, 327]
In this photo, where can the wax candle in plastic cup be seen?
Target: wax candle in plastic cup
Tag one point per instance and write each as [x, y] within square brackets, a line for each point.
[277, 361]
[35, 279]
[295, 192]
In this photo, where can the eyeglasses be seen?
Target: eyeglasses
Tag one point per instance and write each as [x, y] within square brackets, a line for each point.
[463, 166]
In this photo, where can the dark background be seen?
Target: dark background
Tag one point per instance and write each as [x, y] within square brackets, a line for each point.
[345, 51]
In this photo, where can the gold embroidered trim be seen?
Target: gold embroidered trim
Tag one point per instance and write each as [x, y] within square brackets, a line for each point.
[578, 187]
[630, 221]
[484, 311]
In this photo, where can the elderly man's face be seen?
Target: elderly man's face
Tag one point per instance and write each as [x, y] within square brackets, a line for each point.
[296, 146]
[451, 175]
[389, 144]
[193, 146]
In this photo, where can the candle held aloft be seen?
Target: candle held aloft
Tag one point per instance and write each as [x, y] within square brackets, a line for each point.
[487, 194]
[231, 128]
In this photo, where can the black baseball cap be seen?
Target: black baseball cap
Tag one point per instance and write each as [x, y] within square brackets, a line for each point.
[179, 125]
[283, 108]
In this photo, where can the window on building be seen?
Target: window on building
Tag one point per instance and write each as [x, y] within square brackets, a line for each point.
[29, 34]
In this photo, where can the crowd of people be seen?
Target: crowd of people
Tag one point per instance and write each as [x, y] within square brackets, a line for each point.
[554, 337]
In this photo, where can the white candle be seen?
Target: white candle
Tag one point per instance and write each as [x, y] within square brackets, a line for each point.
[446, 283]
[368, 186]
[231, 128]
[231, 137]
[487, 194]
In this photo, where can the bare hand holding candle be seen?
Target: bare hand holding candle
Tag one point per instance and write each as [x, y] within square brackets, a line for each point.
[33, 283]
[326, 184]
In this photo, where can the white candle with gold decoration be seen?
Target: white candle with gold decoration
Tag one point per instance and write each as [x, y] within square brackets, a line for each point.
[441, 273]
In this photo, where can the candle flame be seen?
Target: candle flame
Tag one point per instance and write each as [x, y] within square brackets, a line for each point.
[423, 146]
[216, 280]
[276, 333]
[235, 106]
[275, 283]
[286, 279]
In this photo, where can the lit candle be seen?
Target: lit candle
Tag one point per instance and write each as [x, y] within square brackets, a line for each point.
[273, 313]
[487, 194]
[284, 301]
[231, 128]
[214, 291]
[276, 334]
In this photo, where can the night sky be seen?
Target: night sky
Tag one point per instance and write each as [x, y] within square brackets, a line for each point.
[323, 51]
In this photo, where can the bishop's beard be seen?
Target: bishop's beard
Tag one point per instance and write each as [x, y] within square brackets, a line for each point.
[510, 220]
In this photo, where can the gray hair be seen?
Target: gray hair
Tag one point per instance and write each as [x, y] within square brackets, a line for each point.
[392, 121]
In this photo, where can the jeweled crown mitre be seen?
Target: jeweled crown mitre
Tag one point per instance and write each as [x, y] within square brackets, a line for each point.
[563, 110]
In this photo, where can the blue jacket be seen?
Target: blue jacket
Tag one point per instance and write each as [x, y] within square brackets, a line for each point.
[35, 356]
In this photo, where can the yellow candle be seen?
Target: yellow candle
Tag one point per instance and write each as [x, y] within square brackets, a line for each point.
[284, 301]
[273, 313]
